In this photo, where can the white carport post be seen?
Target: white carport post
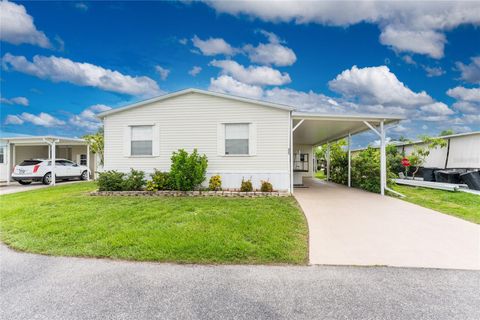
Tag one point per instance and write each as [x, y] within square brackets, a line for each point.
[328, 161]
[383, 155]
[53, 148]
[88, 162]
[291, 149]
[349, 160]
[9, 163]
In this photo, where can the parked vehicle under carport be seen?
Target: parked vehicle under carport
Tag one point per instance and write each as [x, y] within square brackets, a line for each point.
[41, 170]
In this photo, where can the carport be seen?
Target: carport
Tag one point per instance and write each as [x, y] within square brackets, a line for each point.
[17, 149]
[310, 130]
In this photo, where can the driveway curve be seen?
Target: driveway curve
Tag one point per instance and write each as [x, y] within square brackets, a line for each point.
[349, 226]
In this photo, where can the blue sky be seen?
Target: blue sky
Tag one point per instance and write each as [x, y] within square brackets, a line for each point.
[63, 62]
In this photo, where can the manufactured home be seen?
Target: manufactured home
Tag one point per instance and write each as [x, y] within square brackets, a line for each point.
[242, 138]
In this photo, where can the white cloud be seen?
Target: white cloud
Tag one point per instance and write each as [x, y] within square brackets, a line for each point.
[17, 26]
[410, 26]
[272, 53]
[226, 84]
[194, 71]
[13, 119]
[84, 74]
[377, 85]
[42, 119]
[213, 46]
[162, 72]
[302, 101]
[433, 71]
[465, 94]
[17, 100]
[81, 6]
[87, 118]
[409, 60]
[437, 108]
[468, 100]
[422, 42]
[253, 75]
[467, 107]
[470, 72]
[183, 41]
[305, 101]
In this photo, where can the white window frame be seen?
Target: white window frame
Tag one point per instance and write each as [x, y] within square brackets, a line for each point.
[151, 140]
[248, 139]
[3, 149]
[252, 139]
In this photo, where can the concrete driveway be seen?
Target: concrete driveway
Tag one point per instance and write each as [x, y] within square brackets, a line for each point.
[352, 227]
[44, 287]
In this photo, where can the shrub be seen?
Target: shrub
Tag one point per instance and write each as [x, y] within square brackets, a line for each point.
[266, 186]
[161, 180]
[110, 181]
[366, 170]
[187, 171]
[134, 181]
[246, 186]
[151, 186]
[215, 183]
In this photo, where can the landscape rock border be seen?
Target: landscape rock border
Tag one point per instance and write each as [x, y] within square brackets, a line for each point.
[255, 194]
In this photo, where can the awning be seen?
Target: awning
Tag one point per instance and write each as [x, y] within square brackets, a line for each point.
[317, 128]
[41, 140]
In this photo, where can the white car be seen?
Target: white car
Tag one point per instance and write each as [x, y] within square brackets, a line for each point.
[41, 170]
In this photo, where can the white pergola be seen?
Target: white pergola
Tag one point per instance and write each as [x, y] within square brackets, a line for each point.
[51, 141]
[318, 129]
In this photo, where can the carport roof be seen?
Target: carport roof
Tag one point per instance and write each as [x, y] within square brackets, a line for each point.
[319, 128]
[40, 140]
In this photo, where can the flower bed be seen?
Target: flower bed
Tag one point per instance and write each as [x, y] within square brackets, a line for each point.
[189, 194]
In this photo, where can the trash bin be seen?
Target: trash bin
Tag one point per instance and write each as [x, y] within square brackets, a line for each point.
[429, 174]
[447, 176]
[471, 179]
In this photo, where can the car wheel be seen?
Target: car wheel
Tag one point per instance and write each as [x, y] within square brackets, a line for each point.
[84, 175]
[24, 182]
[47, 178]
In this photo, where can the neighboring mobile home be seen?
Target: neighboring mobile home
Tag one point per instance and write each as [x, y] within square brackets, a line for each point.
[242, 138]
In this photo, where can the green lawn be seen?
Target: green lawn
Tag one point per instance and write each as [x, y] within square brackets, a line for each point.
[459, 204]
[65, 220]
[320, 175]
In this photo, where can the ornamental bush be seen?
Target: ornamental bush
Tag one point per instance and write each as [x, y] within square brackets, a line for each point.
[160, 181]
[110, 181]
[215, 183]
[187, 171]
[134, 181]
[266, 186]
[246, 185]
[366, 170]
[365, 165]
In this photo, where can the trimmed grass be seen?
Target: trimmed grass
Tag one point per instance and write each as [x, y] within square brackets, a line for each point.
[459, 204]
[320, 175]
[65, 220]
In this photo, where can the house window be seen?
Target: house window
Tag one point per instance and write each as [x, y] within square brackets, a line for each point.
[83, 159]
[236, 138]
[2, 155]
[141, 144]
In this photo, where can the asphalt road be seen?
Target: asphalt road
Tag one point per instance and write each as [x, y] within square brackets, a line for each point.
[42, 287]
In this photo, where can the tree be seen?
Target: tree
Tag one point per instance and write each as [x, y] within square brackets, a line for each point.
[447, 132]
[422, 150]
[96, 143]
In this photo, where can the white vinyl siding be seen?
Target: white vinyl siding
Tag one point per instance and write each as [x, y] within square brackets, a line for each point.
[237, 138]
[141, 141]
[197, 120]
